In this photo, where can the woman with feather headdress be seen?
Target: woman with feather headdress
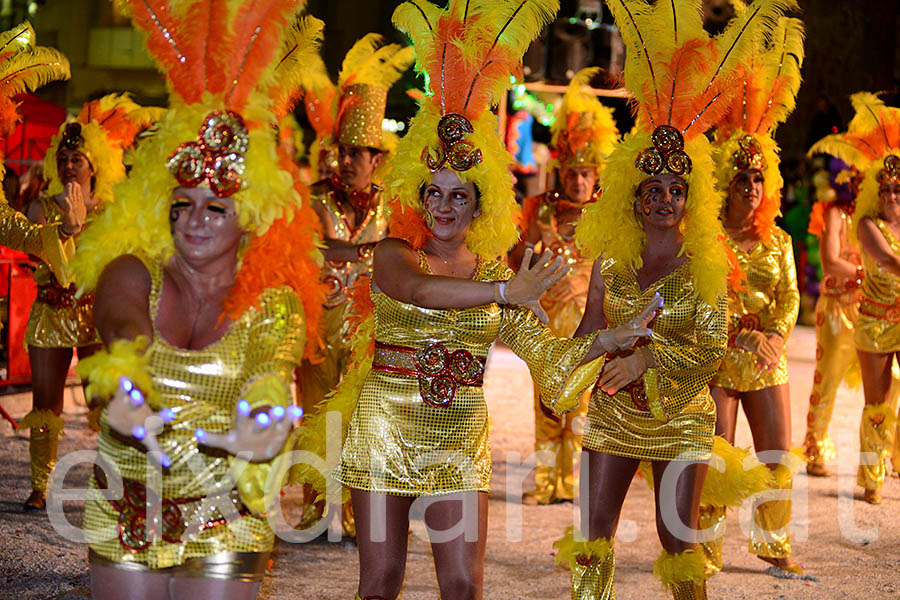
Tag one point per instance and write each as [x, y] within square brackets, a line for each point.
[207, 296]
[657, 232]
[83, 164]
[418, 425]
[583, 135]
[763, 308]
[872, 144]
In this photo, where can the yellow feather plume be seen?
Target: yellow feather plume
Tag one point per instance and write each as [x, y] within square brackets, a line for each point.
[584, 131]
[299, 52]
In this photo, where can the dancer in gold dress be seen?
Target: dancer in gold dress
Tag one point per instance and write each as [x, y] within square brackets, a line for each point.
[204, 304]
[763, 307]
[83, 163]
[872, 145]
[419, 426]
[583, 135]
[657, 230]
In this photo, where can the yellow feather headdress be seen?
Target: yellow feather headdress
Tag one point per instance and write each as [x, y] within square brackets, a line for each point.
[871, 144]
[766, 96]
[584, 132]
[24, 67]
[467, 53]
[102, 131]
[220, 59]
[681, 80]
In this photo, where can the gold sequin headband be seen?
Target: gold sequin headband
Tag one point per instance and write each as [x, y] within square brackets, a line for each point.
[749, 155]
[456, 151]
[891, 171]
[666, 154]
[216, 157]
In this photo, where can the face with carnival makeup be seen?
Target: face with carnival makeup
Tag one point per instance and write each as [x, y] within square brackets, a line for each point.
[73, 166]
[889, 195]
[661, 200]
[204, 227]
[745, 192]
[450, 205]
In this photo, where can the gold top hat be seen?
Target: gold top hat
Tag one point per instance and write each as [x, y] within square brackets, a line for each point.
[361, 115]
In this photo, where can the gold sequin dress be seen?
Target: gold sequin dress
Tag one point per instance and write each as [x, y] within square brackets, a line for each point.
[877, 330]
[202, 388]
[557, 442]
[421, 424]
[770, 303]
[669, 413]
[318, 379]
[58, 319]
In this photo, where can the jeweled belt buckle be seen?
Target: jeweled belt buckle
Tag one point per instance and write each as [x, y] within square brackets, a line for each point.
[440, 371]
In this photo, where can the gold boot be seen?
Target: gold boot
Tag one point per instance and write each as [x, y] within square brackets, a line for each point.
[769, 533]
[684, 574]
[593, 566]
[42, 449]
[712, 518]
[875, 437]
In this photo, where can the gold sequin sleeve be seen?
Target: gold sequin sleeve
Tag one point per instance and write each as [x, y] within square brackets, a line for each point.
[43, 241]
[553, 361]
[684, 369]
[787, 296]
[274, 348]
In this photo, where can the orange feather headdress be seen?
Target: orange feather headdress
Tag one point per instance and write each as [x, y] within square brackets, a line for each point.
[220, 59]
[24, 67]
[871, 145]
[467, 53]
[681, 80]
[102, 131]
[584, 131]
[766, 96]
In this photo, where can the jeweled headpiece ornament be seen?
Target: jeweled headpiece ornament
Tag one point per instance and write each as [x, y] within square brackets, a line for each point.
[102, 131]
[681, 81]
[749, 155]
[216, 157]
[891, 171]
[584, 129]
[467, 53]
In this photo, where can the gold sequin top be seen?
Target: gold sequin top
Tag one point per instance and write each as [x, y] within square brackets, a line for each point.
[845, 289]
[410, 436]
[43, 241]
[669, 412]
[202, 387]
[878, 325]
[770, 303]
[565, 301]
[340, 276]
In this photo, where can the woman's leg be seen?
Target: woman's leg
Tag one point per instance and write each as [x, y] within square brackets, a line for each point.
[114, 583]
[459, 562]
[49, 367]
[768, 414]
[682, 566]
[603, 490]
[382, 531]
[873, 434]
[726, 411]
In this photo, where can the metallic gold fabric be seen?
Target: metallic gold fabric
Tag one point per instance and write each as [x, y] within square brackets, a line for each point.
[42, 448]
[233, 566]
[688, 341]
[876, 436]
[769, 533]
[362, 115]
[878, 325]
[557, 441]
[713, 518]
[593, 578]
[43, 241]
[202, 388]
[52, 326]
[770, 303]
[397, 443]
[688, 590]
[835, 356]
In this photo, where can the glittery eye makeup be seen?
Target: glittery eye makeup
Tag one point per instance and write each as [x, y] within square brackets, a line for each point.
[217, 207]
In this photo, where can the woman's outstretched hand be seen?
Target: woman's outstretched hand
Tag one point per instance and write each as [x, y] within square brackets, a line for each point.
[526, 288]
[625, 335]
[261, 433]
[74, 211]
[129, 415]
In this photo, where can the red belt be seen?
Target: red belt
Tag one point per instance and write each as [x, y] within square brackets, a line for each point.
[885, 312]
[438, 370]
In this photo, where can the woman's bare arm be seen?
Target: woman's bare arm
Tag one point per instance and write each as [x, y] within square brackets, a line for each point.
[830, 247]
[122, 301]
[874, 244]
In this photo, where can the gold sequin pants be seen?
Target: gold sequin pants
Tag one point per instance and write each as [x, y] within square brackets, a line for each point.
[835, 358]
[876, 437]
[557, 446]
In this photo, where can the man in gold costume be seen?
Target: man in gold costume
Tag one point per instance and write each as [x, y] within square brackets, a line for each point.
[583, 134]
[351, 208]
